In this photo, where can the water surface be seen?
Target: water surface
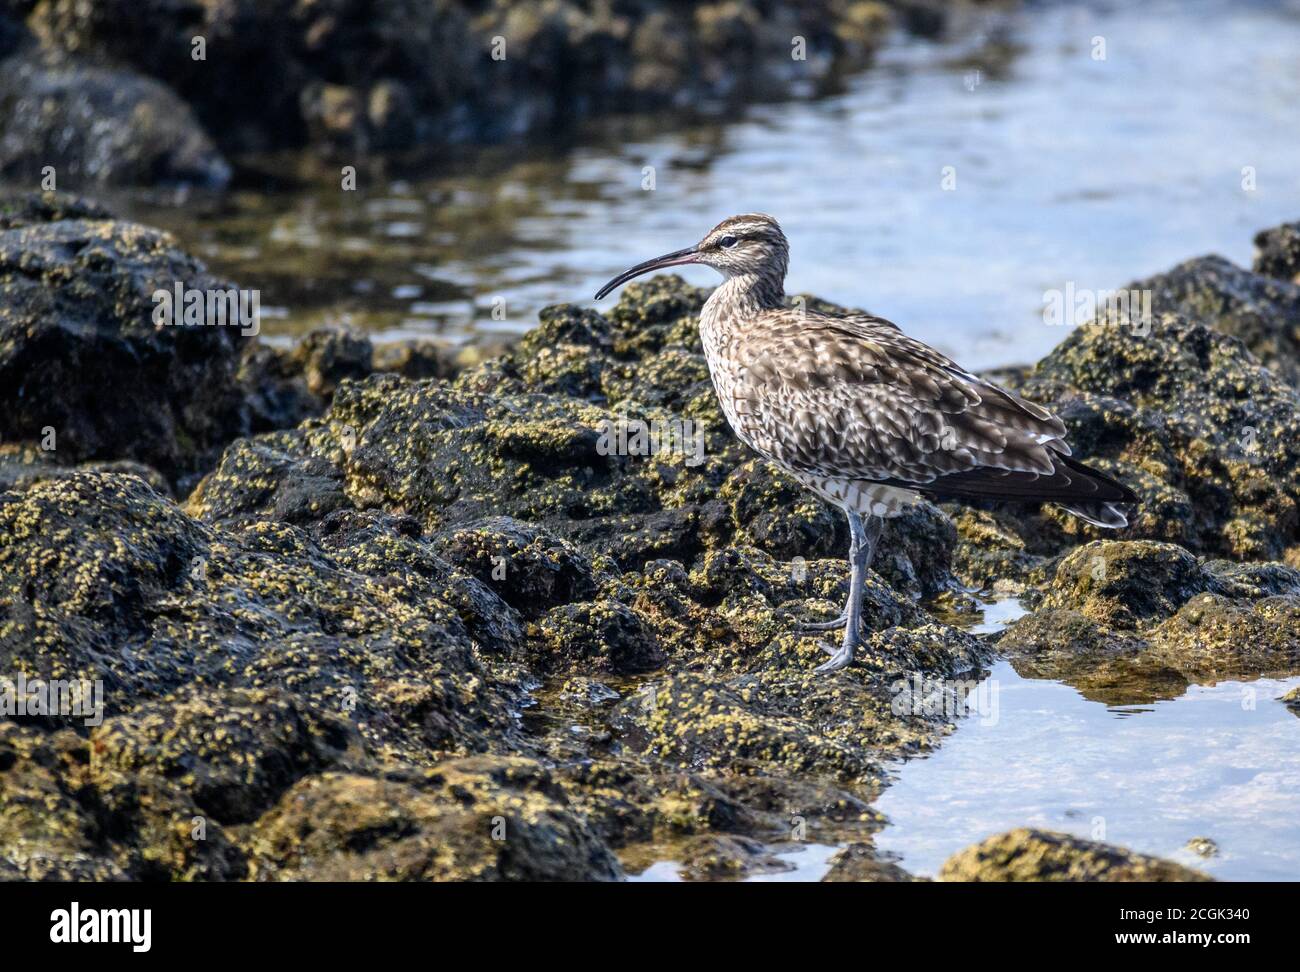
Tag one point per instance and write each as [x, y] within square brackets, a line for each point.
[1068, 169]
[1222, 761]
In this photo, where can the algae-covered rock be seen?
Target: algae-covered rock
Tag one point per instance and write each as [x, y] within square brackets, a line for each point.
[861, 863]
[1277, 252]
[1039, 855]
[102, 578]
[233, 752]
[83, 365]
[1137, 621]
[1207, 436]
[1259, 310]
[479, 819]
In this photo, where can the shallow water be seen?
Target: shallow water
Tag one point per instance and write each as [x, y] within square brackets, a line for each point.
[1221, 762]
[1068, 170]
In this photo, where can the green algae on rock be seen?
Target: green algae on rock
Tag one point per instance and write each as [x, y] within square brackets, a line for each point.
[1039, 855]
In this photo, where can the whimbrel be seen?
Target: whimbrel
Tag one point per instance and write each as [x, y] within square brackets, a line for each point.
[862, 414]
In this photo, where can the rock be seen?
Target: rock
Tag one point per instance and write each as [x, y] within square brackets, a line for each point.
[1039, 855]
[1277, 252]
[390, 74]
[1121, 583]
[326, 356]
[233, 752]
[1189, 418]
[1259, 310]
[601, 636]
[1130, 622]
[99, 126]
[860, 862]
[712, 857]
[101, 578]
[1203, 846]
[485, 818]
[529, 569]
[58, 822]
[83, 365]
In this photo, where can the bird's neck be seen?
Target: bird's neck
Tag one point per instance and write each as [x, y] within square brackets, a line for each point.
[750, 293]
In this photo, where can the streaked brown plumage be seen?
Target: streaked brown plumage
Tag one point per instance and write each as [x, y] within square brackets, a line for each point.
[864, 415]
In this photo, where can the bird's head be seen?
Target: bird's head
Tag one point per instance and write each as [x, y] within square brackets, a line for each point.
[748, 245]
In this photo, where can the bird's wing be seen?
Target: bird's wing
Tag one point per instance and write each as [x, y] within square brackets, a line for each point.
[854, 397]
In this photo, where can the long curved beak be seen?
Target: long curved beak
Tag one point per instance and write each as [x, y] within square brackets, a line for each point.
[677, 257]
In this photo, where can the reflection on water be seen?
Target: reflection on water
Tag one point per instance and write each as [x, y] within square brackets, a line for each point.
[1221, 762]
[1067, 169]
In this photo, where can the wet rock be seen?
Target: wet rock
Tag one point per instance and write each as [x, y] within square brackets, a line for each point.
[416, 359]
[1292, 700]
[861, 862]
[1189, 418]
[101, 578]
[21, 465]
[603, 636]
[1257, 309]
[99, 126]
[485, 818]
[83, 366]
[1277, 252]
[1129, 622]
[326, 356]
[60, 821]
[712, 857]
[1039, 855]
[587, 692]
[1121, 584]
[1203, 846]
[234, 752]
[528, 568]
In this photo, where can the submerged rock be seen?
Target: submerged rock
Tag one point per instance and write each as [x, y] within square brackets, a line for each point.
[1039, 855]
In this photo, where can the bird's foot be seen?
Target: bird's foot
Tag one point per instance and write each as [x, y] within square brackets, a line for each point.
[813, 627]
[840, 657]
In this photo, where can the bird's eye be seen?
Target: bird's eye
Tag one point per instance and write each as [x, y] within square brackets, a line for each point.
[727, 242]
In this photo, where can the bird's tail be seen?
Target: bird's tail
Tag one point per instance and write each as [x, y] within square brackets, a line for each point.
[1086, 492]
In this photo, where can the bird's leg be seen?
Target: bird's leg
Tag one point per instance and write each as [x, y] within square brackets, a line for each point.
[815, 627]
[861, 550]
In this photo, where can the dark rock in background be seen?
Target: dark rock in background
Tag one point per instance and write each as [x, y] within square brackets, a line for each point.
[1277, 253]
[358, 75]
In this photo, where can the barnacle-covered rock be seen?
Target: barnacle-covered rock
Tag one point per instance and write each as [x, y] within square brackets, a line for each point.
[1039, 855]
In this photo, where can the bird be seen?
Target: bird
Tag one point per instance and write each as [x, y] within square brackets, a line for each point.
[868, 418]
